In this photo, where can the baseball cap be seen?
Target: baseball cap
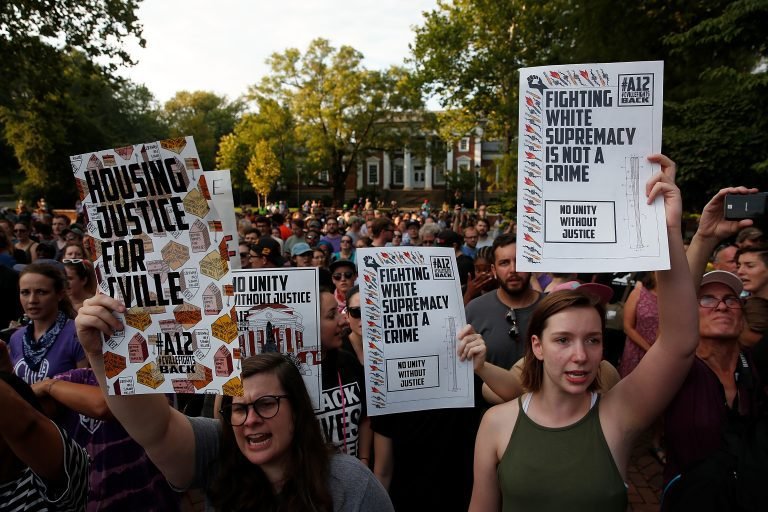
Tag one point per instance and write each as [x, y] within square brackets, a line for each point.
[300, 248]
[268, 247]
[602, 292]
[730, 280]
[342, 263]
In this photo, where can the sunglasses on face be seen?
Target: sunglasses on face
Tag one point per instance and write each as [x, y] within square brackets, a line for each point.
[346, 275]
[731, 302]
[512, 319]
[354, 312]
[244, 255]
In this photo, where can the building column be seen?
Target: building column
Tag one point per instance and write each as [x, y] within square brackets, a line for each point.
[407, 170]
[387, 171]
[428, 173]
[449, 160]
[359, 176]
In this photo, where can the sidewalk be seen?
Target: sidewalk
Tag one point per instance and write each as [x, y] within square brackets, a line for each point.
[645, 477]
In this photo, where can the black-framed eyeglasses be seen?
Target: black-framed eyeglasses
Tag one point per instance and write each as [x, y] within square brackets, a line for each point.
[354, 312]
[266, 407]
[512, 319]
[346, 275]
[731, 302]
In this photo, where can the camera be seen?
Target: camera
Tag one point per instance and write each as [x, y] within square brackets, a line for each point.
[746, 206]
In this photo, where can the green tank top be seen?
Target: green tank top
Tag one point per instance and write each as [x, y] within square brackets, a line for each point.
[569, 468]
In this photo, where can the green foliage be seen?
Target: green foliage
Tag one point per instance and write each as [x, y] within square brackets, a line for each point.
[263, 169]
[204, 115]
[340, 108]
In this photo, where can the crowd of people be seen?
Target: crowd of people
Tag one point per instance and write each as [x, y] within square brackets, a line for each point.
[562, 392]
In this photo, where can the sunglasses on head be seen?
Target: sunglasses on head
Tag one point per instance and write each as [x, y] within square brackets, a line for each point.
[354, 312]
[346, 275]
[512, 319]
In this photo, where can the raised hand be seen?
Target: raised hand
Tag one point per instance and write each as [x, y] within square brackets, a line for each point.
[94, 319]
[471, 346]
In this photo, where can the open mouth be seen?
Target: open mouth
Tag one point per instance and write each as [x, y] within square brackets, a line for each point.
[577, 376]
[258, 440]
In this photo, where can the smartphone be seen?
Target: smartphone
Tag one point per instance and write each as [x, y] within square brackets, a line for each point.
[745, 206]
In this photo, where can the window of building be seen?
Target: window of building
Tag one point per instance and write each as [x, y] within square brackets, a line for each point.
[373, 173]
[464, 144]
[323, 176]
[397, 171]
[463, 164]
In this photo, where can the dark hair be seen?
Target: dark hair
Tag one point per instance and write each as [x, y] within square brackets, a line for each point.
[553, 303]
[502, 240]
[242, 485]
[750, 234]
[761, 250]
[59, 283]
[485, 253]
[41, 228]
[45, 251]
[380, 224]
[648, 279]
[351, 293]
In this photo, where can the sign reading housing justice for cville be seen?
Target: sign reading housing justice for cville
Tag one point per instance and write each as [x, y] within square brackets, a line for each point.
[412, 310]
[585, 133]
[157, 226]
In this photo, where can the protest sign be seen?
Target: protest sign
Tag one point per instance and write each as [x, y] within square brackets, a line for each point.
[412, 310]
[156, 224]
[278, 310]
[585, 133]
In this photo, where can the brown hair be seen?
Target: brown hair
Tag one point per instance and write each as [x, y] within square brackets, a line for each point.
[533, 368]
[59, 283]
[242, 485]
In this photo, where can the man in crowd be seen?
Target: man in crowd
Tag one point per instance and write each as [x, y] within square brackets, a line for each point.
[449, 238]
[725, 258]
[470, 242]
[266, 253]
[721, 397]
[301, 255]
[382, 230]
[297, 235]
[428, 234]
[484, 239]
[59, 224]
[263, 226]
[245, 255]
[502, 316]
[332, 234]
[411, 235]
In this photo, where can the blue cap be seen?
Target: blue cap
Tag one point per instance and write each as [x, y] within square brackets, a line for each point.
[300, 248]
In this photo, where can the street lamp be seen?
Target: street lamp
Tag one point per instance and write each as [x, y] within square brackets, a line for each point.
[298, 187]
[477, 176]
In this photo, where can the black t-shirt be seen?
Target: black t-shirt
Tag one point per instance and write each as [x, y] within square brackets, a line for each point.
[433, 454]
[342, 401]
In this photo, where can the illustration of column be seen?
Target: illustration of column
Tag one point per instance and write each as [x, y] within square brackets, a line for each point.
[633, 196]
[450, 341]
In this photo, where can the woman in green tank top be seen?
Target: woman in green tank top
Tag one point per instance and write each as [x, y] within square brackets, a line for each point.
[562, 447]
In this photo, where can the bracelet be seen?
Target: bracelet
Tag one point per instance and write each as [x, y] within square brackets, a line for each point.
[50, 386]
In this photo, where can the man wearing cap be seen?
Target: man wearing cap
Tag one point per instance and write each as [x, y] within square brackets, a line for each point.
[722, 388]
[265, 253]
[411, 235]
[301, 255]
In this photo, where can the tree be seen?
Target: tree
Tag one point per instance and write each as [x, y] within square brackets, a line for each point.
[263, 169]
[340, 108]
[204, 115]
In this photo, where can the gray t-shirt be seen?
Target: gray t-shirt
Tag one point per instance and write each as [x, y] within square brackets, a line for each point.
[352, 486]
[487, 314]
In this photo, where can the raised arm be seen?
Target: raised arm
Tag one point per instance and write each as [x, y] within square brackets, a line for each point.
[502, 385]
[640, 397]
[162, 431]
[713, 228]
[81, 398]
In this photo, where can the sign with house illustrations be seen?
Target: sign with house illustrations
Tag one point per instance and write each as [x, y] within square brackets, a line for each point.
[160, 232]
[278, 310]
[412, 309]
[585, 133]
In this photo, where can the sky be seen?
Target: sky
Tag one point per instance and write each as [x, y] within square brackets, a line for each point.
[222, 45]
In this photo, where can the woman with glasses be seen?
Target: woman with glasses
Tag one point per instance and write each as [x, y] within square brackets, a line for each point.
[344, 274]
[82, 281]
[397, 238]
[347, 251]
[265, 453]
[21, 231]
[47, 345]
[563, 446]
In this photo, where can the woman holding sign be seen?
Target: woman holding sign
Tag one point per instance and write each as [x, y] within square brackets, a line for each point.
[266, 453]
[563, 446]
